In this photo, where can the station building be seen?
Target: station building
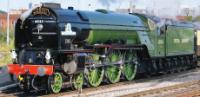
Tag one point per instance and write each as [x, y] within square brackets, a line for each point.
[14, 15]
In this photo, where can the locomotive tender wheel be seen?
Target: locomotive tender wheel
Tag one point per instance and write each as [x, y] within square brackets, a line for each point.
[178, 64]
[182, 63]
[189, 66]
[185, 63]
[95, 76]
[130, 67]
[78, 80]
[55, 83]
[169, 68]
[113, 72]
[162, 66]
[177, 69]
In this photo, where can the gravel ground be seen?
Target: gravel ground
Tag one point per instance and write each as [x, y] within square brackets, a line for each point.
[141, 86]
[4, 77]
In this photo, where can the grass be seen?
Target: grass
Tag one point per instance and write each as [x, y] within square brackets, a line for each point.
[5, 49]
[6, 59]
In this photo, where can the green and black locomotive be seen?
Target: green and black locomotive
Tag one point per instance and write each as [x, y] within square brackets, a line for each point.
[57, 47]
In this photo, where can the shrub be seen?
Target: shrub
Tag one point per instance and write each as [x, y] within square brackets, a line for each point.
[4, 48]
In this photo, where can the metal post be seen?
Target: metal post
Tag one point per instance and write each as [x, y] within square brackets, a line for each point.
[131, 6]
[8, 23]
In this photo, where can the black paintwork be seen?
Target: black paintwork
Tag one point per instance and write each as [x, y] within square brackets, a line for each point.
[81, 22]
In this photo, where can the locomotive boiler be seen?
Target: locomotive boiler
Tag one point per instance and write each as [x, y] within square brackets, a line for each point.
[56, 47]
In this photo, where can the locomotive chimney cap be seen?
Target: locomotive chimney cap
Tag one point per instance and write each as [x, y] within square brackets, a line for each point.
[51, 5]
[71, 8]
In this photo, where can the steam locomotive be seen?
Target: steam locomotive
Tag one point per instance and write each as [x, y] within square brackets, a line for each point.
[56, 47]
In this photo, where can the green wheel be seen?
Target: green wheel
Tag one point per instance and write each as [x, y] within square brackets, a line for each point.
[129, 70]
[113, 72]
[95, 76]
[78, 80]
[130, 67]
[55, 83]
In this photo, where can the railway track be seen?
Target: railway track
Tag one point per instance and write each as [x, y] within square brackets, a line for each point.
[189, 89]
[117, 89]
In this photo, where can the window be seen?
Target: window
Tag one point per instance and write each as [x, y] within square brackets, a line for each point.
[163, 29]
[151, 24]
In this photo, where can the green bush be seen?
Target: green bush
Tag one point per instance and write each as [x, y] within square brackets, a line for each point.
[4, 48]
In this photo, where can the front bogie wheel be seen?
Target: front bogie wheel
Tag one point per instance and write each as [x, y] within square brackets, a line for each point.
[55, 82]
[24, 83]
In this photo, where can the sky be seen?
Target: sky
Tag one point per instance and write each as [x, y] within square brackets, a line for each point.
[165, 7]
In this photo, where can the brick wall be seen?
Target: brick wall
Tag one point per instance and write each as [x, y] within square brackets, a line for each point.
[14, 15]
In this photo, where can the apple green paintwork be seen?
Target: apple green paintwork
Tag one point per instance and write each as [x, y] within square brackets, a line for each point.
[175, 40]
[179, 40]
[96, 36]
